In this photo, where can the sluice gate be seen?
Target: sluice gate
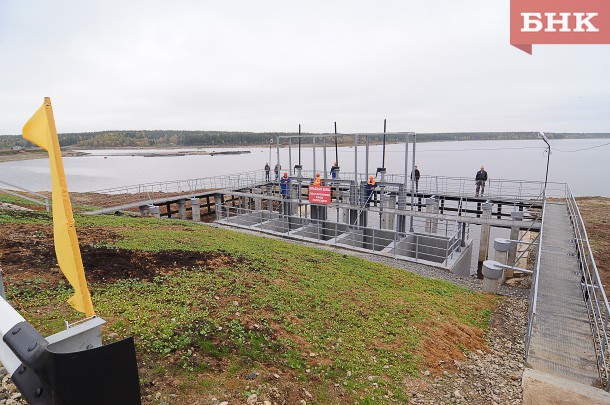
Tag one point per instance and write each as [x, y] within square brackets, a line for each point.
[389, 220]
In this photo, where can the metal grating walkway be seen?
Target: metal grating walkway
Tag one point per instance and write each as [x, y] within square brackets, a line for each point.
[561, 343]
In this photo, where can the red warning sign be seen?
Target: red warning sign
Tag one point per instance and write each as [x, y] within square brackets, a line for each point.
[319, 194]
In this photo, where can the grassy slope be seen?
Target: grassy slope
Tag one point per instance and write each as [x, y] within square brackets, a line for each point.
[266, 305]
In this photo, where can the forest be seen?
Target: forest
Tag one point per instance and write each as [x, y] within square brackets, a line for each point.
[173, 138]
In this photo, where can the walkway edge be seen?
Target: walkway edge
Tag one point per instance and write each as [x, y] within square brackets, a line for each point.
[541, 388]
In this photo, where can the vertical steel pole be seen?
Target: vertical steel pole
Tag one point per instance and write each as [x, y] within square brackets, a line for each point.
[314, 157]
[290, 169]
[279, 167]
[324, 161]
[356, 157]
[366, 168]
[336, 148]
[412, 181]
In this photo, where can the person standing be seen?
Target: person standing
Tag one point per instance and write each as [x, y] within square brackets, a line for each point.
[267, 170]
[285, 185]
[480, 179]
[318, 180]
[415, 177]
[276, 170]
[370, 189]
[333, 171]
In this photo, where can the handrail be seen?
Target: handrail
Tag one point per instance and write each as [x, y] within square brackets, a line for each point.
[533, 299]
[593, 291]
[45, 199]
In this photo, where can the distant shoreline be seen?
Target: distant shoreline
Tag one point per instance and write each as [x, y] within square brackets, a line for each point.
[8, 155]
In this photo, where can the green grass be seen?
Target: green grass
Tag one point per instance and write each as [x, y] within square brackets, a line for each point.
[314, 312]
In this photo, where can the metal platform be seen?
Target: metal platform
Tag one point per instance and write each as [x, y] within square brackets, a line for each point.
[561, 343]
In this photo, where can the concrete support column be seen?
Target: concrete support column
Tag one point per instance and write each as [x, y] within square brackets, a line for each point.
[218, 206]
[299, 169]
[182, 209]
[514, 235]
[388, 201]
[363, 203]
[431, 223]
[492, 273]
[195, 209]
[402, 205]
[353, 200]
[501, 248]
[484, 245]
[258, 201]
[154, 211]
[345, 213]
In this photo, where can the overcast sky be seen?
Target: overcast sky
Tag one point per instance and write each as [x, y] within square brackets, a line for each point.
[426, 66]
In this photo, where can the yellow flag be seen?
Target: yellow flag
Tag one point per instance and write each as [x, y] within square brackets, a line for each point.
[40, 129]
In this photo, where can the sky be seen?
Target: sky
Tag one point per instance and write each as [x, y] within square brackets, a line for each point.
[425, 66]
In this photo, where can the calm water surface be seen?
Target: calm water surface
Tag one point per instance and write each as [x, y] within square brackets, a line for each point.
[587, 171]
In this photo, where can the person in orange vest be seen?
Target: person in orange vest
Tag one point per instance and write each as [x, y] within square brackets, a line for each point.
[285, 185]
[370, 189]
[318, 180]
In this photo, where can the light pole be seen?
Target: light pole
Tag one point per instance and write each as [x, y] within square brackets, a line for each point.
[548, 158]
[270, 144]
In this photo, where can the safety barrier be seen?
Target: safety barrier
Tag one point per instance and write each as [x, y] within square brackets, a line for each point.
[432, 241]
[10, 189]
[593, 290]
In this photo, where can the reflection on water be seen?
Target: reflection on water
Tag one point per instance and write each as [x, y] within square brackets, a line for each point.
[585, 171]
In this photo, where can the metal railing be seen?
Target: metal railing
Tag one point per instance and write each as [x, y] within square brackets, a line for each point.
[43, 199]
[533, 297]
[432, 241]
[148, 193]
[593, 290]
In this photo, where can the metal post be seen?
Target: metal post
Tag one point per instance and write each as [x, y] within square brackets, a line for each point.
[324, 160]
[314, 156]
[366, 156]
[290, 169]
[548, 158]
[356, 157]
[279, 167]
[412, 182]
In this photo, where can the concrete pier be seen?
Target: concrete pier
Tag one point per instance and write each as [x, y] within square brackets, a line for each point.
[195, 210]
[484, 245]
[182, 208]
[501, 249]
[492, 274]
[514, 235]
[431, 223]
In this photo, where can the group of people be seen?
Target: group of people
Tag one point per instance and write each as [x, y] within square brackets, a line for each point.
[480, 179]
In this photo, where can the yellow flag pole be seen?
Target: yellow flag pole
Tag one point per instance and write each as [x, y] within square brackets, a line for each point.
[40, 129]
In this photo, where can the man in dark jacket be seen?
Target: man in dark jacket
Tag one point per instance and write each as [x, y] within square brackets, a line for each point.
[415, 177]
[267, 170]
[480, 179]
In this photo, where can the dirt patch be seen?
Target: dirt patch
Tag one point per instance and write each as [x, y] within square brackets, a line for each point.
[596, 215]
[450, 342]
[27, 251]
[104, 264]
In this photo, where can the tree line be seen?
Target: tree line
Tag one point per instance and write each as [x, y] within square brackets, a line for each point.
[169, 138]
